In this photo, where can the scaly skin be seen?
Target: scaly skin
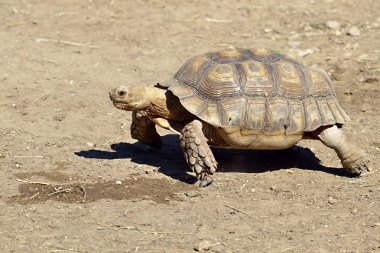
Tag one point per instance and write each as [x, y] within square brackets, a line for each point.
[197, 152]
[353, 159]
[144, 130]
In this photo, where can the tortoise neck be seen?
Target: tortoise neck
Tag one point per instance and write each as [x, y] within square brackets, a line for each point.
[164, 104]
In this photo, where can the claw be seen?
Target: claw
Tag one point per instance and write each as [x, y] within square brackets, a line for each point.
[204, 180]
[356, 167]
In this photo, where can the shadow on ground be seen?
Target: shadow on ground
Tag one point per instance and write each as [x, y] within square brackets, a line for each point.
[170, 161]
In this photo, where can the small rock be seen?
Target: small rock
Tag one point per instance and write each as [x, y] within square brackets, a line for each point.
[307, 28]
[2, 155]
[203, 246]
[371, 80]
[331, 200]
[192, 193]
[363, 58]
[267, 30]
[59, 117]
[5, 77]
[353, 31]
[348, 92]
[303, 53]
[331, 24]
[91, 145]
[377, 224]
[118, 182]
[365, 107]
[273, 188]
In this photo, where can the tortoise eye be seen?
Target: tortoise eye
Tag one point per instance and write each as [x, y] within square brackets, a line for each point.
[121, 93]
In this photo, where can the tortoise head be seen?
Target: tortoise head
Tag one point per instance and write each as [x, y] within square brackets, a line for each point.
[129, 98]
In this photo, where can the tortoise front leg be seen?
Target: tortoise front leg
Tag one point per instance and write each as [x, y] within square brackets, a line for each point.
[144, 130]
[353, 159]
[197, 152]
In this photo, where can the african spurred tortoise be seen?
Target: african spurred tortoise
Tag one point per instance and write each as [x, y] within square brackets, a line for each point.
[243, 99]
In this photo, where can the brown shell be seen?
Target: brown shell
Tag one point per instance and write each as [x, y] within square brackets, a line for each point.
[258, 91]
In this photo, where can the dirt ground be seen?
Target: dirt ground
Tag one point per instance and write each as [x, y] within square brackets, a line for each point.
[73, 180]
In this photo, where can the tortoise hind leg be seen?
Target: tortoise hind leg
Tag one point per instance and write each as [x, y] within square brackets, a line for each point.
[353, 159]
[144, 130]
[197, 152]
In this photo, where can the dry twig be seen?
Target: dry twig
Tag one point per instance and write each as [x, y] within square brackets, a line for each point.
[16, 24]
[32, 182]
[226, 245]
[35, 195]
[218, 20]
[122, 227]
[43, 96]
[290, 248]
[65, 42]
[31, 156]
[241, 211]
[59, 190]
[243, 186]
[170, 233]
[370, 185]
[83, 190]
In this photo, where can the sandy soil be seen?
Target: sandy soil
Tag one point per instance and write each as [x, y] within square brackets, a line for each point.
[74, 181]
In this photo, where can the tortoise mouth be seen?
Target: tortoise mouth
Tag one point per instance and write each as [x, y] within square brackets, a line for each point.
[121, 105]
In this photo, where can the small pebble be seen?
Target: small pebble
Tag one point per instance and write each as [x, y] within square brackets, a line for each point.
[203, 246]
[331, 200]
[331, 24]
[5, 77]
[192, 193]
[91, 145]
[365, 107]
[308, 28]
[303, 53]
[348, 92]
[118, 182]
[353, 31]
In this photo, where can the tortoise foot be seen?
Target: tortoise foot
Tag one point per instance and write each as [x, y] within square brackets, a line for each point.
[197, 153]
[356, 164]
[144, 130]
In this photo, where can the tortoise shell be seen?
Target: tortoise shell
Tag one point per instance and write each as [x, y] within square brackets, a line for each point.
[258, 91]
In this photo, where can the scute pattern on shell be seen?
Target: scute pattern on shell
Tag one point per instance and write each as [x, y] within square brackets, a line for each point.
[258, 91]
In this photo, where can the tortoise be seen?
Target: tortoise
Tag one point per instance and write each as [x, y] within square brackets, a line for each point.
[241, 99]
